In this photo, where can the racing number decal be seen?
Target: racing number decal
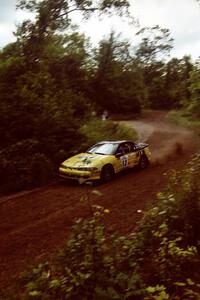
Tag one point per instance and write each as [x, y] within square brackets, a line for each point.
[124, 161]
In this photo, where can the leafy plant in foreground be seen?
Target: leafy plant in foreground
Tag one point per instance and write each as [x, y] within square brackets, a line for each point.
[159, 261]
[93, 265]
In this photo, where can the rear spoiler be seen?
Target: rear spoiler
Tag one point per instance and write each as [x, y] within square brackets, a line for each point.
[141, 146]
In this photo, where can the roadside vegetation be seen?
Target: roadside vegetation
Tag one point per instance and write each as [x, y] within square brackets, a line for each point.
[186, 119]
[96, 130]
[31, 163]
[160, 260]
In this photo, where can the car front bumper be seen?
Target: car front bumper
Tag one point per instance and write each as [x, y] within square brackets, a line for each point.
[77, 174]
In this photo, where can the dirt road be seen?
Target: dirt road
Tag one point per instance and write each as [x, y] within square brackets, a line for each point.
[35, 225]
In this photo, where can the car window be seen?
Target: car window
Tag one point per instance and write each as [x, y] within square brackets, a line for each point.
[105, 148]
[132, 146]
[124, 148]
[127, 147]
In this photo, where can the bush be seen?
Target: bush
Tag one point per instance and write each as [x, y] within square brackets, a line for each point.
[185, 118]
[159, 261]
[23, 166]
[96, 130]
[92, 266]
[31, 162]
[14, 165]
[169, 238]
[41, 169]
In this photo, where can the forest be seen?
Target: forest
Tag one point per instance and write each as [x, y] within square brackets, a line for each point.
[52, 80]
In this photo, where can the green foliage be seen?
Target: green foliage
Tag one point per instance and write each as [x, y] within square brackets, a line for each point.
[152, 51]
[33, 162]
[96, 130]
[166, 83]
[194, 81]
[39, 103]
[156, 42]
[160, 261]
[185, 118]
[55, 15]
[177, 82]
[118, 82]
[22, 165]
[92, 266]
[169, 236]
[14, 165]
[41, 169]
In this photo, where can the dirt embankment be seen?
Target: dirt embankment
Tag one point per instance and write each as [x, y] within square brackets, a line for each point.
[35, 225]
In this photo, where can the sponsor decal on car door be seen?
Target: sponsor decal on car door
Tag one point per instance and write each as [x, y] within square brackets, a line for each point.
[124, 161]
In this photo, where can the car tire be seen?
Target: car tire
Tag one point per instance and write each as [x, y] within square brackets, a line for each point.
[143, 163]
[107, 173]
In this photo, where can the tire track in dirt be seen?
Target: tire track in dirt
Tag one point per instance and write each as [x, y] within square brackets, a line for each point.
[34, 225]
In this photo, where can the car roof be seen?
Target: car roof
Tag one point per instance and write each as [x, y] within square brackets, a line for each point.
[115, 142]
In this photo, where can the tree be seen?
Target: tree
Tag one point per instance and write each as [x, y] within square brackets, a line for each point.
[152, 51]
[194, 87]
[155, 45]
[176, 82]
[116, 82]
[54, 16]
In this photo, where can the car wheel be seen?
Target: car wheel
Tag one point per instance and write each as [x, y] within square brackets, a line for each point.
[143, 162]
[107, 173]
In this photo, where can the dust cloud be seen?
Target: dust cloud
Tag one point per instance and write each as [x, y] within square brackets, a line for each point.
[166, 140]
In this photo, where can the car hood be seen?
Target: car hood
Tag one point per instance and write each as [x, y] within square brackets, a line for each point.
[85, 160]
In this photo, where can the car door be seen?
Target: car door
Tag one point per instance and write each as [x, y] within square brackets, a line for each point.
[123, 156]
[132, 155]
[137, 153]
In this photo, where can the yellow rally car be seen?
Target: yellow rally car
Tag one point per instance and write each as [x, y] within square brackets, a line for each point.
[105, 159]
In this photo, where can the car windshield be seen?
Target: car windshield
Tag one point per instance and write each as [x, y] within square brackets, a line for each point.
[105, 149]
